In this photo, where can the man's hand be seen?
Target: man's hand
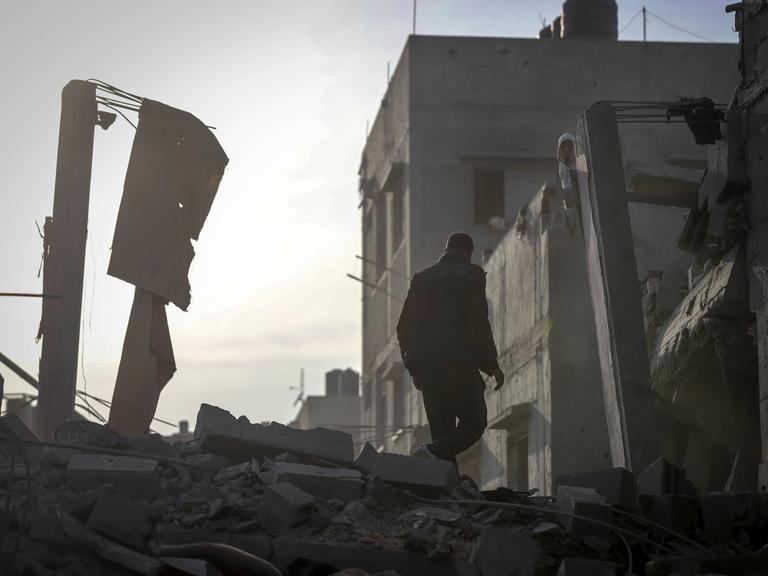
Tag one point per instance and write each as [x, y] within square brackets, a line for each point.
[499, 376]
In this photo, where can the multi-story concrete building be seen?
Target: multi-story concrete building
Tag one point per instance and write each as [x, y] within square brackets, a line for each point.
[339, 409]
[465, 136]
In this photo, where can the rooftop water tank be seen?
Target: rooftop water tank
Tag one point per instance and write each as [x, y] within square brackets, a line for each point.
[590, 19]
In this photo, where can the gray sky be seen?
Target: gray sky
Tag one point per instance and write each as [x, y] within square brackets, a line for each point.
[289, 86]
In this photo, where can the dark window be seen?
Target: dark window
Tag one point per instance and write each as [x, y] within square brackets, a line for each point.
[489, 195]
[381, 234]
[398, 213]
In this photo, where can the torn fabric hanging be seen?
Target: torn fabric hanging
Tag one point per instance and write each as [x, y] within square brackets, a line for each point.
[174, 172]
[146, 365]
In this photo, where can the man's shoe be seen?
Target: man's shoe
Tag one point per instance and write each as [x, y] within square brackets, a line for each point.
[423, 451]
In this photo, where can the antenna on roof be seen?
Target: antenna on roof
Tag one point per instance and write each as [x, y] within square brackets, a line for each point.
[299, 388]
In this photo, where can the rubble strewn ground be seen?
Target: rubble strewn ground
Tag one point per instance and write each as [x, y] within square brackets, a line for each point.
[249, 499]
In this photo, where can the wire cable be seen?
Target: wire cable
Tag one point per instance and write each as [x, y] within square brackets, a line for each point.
[627, 25]
[679, 28]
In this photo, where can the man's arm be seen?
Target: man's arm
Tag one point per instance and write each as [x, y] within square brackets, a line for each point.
[481, 329]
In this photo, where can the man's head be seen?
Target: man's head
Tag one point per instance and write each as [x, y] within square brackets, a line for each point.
[460, 242]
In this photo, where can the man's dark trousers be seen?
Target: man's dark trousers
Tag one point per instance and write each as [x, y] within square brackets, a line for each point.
[453, 391]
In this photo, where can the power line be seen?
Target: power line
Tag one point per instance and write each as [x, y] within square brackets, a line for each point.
[676, 27]
[628, 24]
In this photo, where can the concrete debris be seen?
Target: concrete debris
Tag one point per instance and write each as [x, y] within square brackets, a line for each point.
[137, 475]
[421, 474]
[499, 552]
[223, 434]
[584, 502]
[616, 485]
[366, 459]
[331, 483]
[202, 513]
[285, 505]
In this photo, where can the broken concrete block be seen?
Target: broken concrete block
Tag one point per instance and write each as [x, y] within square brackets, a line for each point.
[661, 478]
[584, 502]
[585, 567]
[341, 483]
[139, 476]
[120, 518]
[80, 506]
[499, 552]
[420, 474]
[671, 510]
[284, 505]
[220, 433]
[208, 463]
[616, 485]
[151, 443]
[366, 459]
[231, 473]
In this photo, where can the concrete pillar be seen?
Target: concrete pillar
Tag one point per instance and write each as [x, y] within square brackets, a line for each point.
[65, 259]
[615, 292]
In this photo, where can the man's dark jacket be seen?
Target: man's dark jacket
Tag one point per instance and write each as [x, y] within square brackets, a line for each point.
[445, 316]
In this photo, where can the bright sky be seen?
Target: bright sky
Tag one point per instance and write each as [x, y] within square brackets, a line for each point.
[290, 86]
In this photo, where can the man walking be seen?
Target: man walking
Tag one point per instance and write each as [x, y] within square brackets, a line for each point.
[445, 339]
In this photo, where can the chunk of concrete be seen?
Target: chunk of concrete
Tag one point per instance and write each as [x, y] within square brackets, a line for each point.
[80, 506]
[585, 567]
[238, 439]
[138, 476]
[671, 510]
[120, 518]
[340, 483]
[233, 472]
[28, 442]
[616, 485]
[584, 502]
[419, 474]
[284, 505]
[661, 477]
[500, 552]
[208, 463]
[366, 460]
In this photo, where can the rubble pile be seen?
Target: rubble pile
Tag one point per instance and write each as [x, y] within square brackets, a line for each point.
[245, 498]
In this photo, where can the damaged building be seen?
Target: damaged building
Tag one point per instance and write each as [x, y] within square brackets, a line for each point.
[466, 134]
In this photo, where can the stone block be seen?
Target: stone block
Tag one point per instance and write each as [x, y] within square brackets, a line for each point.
[585, 567]
[120, 518]
[284, 505]
[671, 510]
[366, 459]
[584, 502]
[138, 476]
[340, 483]
[500, 552]
[419, 474]
[238, 439]
[616, 485]
[46, 529]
